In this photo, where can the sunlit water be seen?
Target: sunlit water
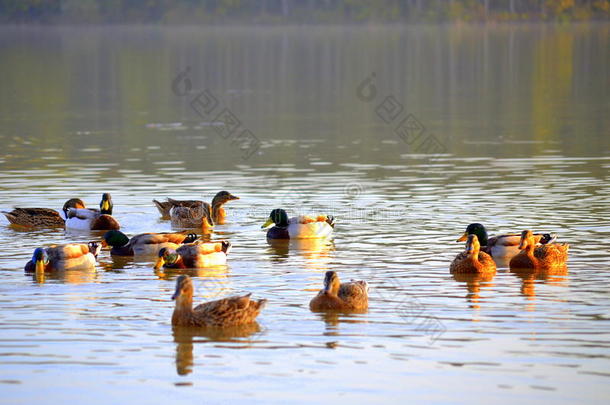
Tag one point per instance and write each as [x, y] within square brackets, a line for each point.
[520, 114]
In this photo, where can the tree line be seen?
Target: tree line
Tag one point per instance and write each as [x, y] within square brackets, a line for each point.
[297, 11]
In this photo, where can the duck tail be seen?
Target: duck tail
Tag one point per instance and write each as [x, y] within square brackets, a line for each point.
[260, 304]
[190, 238]
[94, 248]
[10, 216]
[331, 220]
[163, 207]
[548, 238]
[226, 246]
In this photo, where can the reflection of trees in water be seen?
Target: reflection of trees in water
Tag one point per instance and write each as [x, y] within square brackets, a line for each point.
[186, 338]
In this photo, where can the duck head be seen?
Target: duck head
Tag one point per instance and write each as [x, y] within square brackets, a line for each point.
[278, 217]
[40, 258]
[475, 229]
[106, 204]
[331, 283]
[472, 245]
[115, 238]
[184, 288]
[72, 203]
[527, 239]
[223, 197]
[165, 257]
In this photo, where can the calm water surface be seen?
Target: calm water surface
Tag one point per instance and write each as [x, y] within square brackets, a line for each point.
[516, 121]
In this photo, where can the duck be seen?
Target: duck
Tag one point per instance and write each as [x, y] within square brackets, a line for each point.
[193, 255]
[93, 219]
[301, 227]
[472, 259]
[197, 216]
[226, 312]
[63, 257]
[541, 257]
[339, 296]
[144, 243]
[503, 246]
[217, 210]
[42, 217]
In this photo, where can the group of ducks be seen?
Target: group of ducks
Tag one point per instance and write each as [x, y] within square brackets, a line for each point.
[184, 250]
[526, 251]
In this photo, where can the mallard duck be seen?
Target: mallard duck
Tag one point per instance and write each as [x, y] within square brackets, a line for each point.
[301, 227]
[339, 296]
[502, 246]
[194, 255]
[93, 219]
[42, 217]
[63, 257]
[472, 260]
[144, 243]
[230, 311]
[539, 257]
[217, 210]
[198, 216]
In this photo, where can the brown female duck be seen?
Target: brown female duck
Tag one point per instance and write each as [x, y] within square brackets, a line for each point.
[217, 210]
[472, 260]
[539, 257]
[42, 217]
[340, 296]
[226, 312]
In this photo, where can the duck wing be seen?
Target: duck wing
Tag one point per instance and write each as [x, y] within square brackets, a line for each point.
[34, 217]
[228, 311]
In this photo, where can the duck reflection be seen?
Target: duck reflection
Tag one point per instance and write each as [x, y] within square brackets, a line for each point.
[316, 252]
[334, 318]
[186, 337]
[474, 284]
[80, 276]
[555, 276]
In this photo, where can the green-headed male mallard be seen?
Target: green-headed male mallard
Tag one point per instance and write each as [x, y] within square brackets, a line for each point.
[42, 217]
[93, 219]
[541, 257]
[217, 210]
[472, 260]
[502, 246]
[301, 227]
[226, 312]
[337, 296]
[63, 257]
[194, 255]
[144, 243]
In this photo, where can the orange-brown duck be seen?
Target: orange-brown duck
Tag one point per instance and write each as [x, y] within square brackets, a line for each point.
[226, 312]
[42, 217]
[339, 296]
[217, 211]
[472, 260]
[539, 257]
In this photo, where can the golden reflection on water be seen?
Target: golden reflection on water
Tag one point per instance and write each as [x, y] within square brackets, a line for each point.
[186, 338]
[519, 109]
[474, 283]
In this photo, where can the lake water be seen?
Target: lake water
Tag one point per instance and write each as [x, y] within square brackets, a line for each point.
[406, 135]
